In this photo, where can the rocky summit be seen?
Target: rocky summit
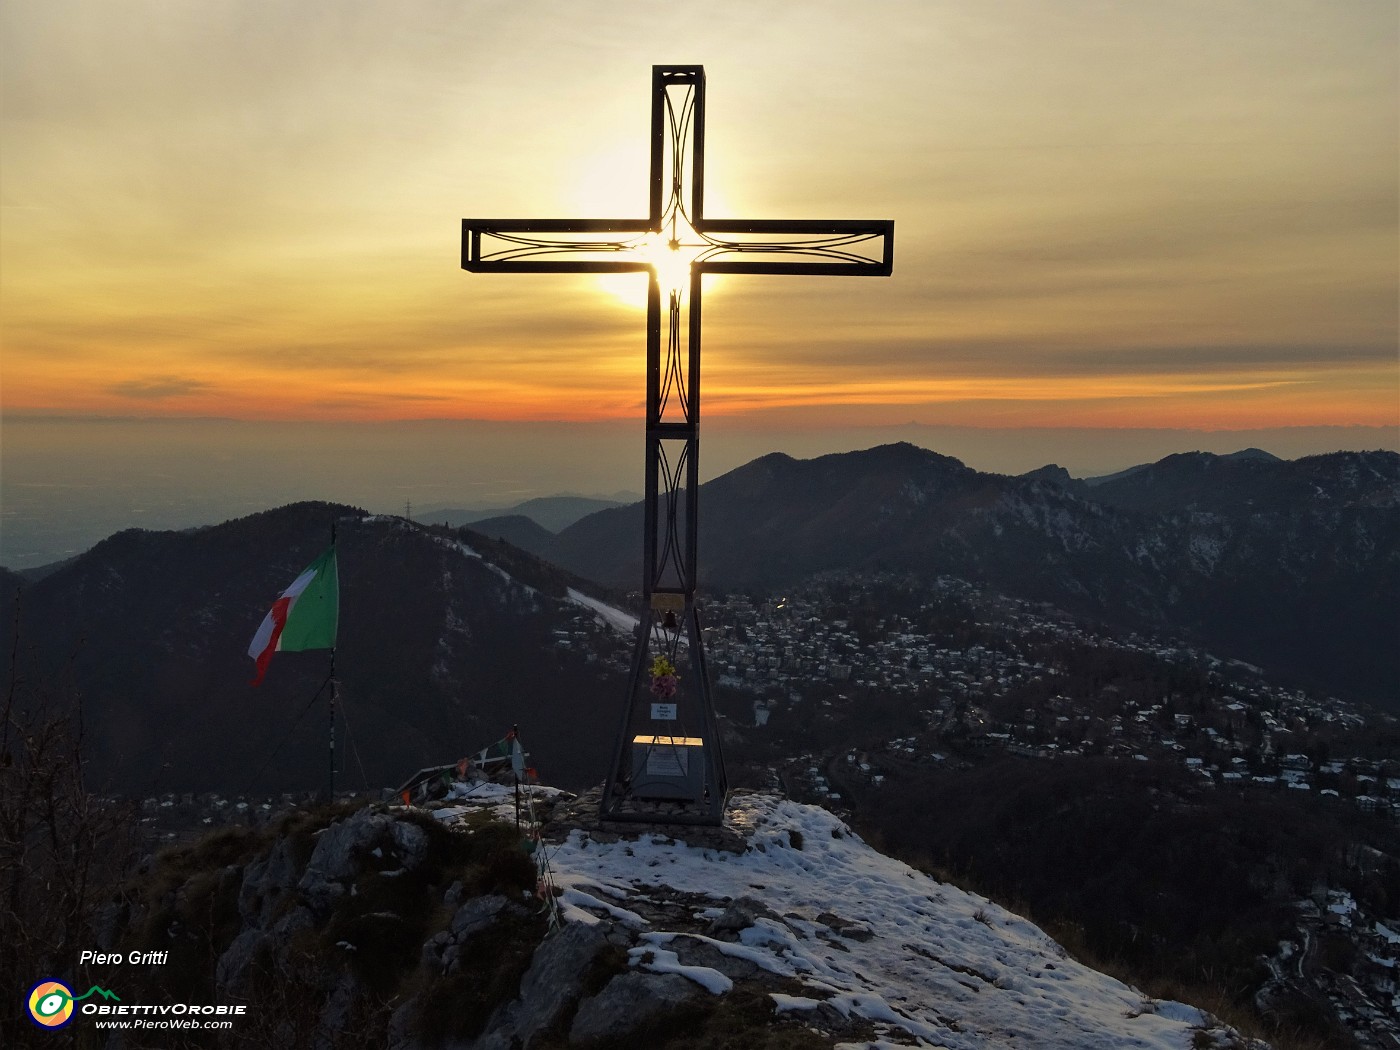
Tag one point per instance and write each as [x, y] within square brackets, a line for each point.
[418, 929]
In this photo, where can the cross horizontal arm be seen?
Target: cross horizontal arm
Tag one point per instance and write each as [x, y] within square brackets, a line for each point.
[522, 245]
[850, 247]
[774, 246]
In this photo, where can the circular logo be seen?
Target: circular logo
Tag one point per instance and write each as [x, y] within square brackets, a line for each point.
[51, 1004]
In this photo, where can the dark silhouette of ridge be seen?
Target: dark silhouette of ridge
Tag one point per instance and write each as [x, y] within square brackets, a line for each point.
[1290, 564]
[439, 653]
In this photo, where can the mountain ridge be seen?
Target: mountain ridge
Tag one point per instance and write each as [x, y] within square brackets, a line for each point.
[549, 512]
[148, 631]
[1292, 564]
[447, 632]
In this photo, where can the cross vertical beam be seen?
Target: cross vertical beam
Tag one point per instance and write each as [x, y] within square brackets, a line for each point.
[658, 772]
[667, 763]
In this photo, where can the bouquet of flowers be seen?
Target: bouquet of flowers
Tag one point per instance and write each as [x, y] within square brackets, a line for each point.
[663, 678]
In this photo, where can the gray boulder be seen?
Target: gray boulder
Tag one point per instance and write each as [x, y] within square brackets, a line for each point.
[232, 972]
[627, 1001]
[741, 913]
[476, 915]
[337, 857]
[401, 1023]
[440, 951]
[266, 883]
[702, 953]
[856, 931]
[337, 1014]
[553, 981]
[410, 842]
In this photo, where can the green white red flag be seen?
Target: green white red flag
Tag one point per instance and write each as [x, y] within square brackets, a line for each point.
[305, 617]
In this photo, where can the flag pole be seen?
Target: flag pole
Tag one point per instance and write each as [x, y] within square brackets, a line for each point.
[331, 784]
[331, 792]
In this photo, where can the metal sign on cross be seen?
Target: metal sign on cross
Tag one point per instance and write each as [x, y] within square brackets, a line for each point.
[667, 763]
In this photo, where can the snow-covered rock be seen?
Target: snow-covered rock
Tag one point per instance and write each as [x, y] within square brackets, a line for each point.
[785, 907]
[919, 962]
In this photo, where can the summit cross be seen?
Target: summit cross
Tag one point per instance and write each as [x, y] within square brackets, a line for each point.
[668, 765]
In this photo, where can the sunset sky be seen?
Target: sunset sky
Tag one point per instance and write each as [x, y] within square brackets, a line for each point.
[1172, 214]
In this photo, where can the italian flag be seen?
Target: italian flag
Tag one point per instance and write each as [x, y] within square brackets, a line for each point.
[305, 617]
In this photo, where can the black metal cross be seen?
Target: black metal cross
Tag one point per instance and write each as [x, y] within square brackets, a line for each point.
[667, 764]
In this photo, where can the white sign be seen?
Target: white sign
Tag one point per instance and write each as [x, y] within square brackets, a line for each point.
[663, 712]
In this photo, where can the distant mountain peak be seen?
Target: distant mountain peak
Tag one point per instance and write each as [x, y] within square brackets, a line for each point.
[1052, 473]
[772, 458]
[1194, 460]
[903, 452]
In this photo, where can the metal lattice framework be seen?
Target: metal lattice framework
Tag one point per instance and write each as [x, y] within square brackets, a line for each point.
[668, 763]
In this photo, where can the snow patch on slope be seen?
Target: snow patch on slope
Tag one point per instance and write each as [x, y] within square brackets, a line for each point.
[470, 552]
[928, 964]
[623, 623]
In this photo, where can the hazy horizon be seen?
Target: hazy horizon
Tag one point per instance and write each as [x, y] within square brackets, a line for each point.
[67, 483]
